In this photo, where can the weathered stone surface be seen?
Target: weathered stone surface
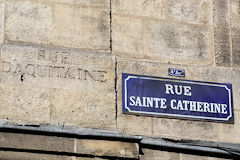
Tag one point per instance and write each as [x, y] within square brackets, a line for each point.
[235, 32]
[235, 35]
[221, 21]
[94, 3]
[61, 86]
[196, 12]
[131, 124]
[2, 9]
[236, 47]
[9, 155]
[221, 12]
[162, 41]
[216, 74]
[230, 132]
[152, 8]
[139, 37]
[235, 13]
[149, 154]
[178, 43]
[36, 142]
[185, 129]
[107, 148]
[222, 46]
[70, 87]
[196, 157]
[85, 109]
[23, 104]
[57, 68]
[81, 27]
[105, 3]
[28, 21]
[127, 36]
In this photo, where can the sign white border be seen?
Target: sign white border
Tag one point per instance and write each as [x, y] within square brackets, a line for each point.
[176, 115]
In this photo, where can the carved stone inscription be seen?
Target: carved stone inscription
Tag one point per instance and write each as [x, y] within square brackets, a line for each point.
[52, 64]
[56, 86]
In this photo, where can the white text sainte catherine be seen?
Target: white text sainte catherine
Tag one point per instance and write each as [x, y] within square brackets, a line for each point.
[183, 105]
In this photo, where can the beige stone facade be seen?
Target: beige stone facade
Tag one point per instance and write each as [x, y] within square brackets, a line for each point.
[61, 64]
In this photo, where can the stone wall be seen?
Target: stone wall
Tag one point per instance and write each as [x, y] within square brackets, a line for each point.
[61, 61]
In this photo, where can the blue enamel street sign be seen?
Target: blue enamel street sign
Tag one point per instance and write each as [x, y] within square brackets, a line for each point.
[176, 98]
[176, 72]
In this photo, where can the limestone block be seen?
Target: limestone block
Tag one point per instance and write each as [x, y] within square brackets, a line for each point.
[230, 132]
[235, 32]
[81, 27]
[24, 105]
[235, 46]
[152, 8]
[149, 154]
[70, 87]
[196, 12]
[28, 21]
[221, 12]
[85, 109]
[9, 155]
[127, 36]
[2, 9]
[196, 157]
[161, 41]
[101, 3]
[36, 142]
[222, 46]
[235, 14]
[94, 3]
[179, 43]
[185, 129]
[131, 124]
[57, 68]
[221, 21]
[108, 148]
